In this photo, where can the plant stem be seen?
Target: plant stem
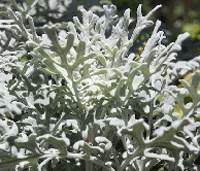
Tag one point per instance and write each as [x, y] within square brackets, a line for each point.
[89, 166]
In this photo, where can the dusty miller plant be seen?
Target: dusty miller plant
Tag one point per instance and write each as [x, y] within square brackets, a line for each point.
[75, 97]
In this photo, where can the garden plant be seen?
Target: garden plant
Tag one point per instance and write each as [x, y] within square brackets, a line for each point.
[73, 96]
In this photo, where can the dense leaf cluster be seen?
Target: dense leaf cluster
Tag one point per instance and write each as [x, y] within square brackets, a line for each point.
[74, 97]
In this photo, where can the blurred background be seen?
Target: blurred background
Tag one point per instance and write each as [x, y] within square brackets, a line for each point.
[177, 16]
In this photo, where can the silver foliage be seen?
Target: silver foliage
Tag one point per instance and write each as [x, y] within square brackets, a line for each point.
[83, 101]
